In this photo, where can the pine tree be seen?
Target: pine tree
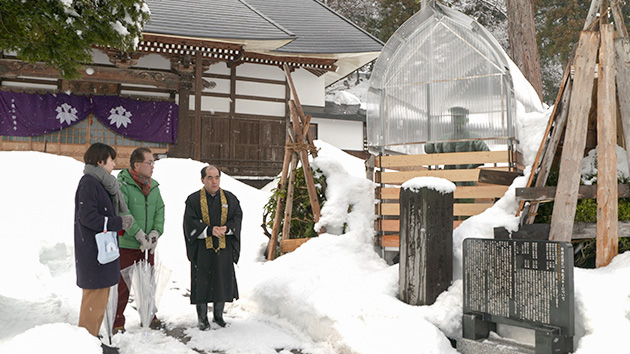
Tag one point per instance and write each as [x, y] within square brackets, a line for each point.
[62, 33]
[393, 14]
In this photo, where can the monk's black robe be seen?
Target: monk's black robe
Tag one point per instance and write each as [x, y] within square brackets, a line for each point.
[212, 277]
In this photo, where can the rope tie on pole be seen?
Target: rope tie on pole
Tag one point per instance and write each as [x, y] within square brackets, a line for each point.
[299, 147]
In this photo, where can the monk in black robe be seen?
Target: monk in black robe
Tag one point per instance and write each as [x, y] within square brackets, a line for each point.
[212, 229]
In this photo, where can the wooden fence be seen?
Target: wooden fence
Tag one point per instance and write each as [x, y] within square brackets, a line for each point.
[393, 171]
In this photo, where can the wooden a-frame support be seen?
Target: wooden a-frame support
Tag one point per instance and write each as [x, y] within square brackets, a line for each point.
[570, 118]
[299, 144]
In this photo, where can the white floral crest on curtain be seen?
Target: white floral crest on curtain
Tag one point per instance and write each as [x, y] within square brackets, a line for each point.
[66, 114]
[119, 116]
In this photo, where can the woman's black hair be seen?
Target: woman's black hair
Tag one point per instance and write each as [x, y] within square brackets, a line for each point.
[98, 152]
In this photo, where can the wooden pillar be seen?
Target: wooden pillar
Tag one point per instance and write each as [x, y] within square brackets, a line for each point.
[592, 14]
[622, 51]
[231, 141]
[183, 146]
[198, 88]
[607, 233]
[426, 244]
[273, 240]
[575, 138]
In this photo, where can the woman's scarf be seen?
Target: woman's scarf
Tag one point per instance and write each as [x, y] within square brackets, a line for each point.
[111, 184]
[143, 182]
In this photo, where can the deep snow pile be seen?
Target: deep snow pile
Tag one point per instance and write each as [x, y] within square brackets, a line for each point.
[334, 294]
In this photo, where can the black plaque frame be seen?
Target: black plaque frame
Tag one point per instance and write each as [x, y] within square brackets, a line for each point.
[524, 283]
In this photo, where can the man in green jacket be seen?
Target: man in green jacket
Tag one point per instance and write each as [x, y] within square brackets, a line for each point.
[145, 203]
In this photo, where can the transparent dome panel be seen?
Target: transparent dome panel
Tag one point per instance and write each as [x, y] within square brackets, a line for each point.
[433, 66]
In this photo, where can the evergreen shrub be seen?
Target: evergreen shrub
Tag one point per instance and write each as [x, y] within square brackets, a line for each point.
[586, 211]
[302, 222]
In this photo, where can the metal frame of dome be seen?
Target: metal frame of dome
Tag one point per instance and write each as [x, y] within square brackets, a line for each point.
[439, 59]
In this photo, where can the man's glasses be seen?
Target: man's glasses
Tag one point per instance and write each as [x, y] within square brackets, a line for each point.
[150, 163]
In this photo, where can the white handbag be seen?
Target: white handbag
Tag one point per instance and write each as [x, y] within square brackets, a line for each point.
[107, 243]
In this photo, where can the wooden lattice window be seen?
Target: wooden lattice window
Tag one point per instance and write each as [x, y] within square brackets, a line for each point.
[75, 134]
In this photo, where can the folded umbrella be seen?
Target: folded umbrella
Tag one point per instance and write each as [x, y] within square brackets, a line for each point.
[147, 283]
[110, 312]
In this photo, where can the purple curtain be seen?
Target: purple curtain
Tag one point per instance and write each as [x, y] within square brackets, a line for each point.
[136, 119]
[24, 114]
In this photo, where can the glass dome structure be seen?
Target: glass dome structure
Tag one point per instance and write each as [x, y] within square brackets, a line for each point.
[438, 62]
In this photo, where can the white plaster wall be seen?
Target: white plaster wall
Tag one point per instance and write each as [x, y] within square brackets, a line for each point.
[276, 109]
[153, 61]
[310, 88]
[222, 85]
[260, 89]
[99, 57]
[219, 68]
[53, 83]
[163, 95]
[260, 71]
[344, 134]
[210, 104]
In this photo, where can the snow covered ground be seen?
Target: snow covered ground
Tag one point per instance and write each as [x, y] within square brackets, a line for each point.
[332, 295]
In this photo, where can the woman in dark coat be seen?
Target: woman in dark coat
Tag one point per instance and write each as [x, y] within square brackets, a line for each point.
[98, 196]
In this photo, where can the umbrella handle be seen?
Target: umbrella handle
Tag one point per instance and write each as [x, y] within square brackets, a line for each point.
[146, 255]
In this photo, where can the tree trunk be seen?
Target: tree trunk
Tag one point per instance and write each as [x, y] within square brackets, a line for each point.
[522, 37]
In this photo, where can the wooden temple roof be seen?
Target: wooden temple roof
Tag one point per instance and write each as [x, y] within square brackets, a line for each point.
[302, 33]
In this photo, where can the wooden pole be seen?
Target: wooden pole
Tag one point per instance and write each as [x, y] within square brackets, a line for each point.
[622, 51]
[551, 145]
[288, 208]
[607, 232]
[273, 240]
[575, 138]
[591, 18]
[198, 89]
[308, 172]
[619, 22]
[298, 107]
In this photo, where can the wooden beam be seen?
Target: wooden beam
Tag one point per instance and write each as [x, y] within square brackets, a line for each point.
[618, 18]
[451, 175]
[12, 68]
[273, 240]
[298, 106]
[290, 245]
[503, 178]
[198, 90]
[308, 172]
[591, 18]
[547, 149]
[551, 146]
[542, 194]
[457, 158]
[607, 218]
[581, 231]
[622, 53]
[288, 208]
[459, 209]
[575, 138]
[183, 147]
[482, 191]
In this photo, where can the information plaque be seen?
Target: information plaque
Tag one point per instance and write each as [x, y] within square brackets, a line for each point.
[519, 282]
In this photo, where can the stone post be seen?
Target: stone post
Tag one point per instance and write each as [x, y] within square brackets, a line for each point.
[426, 239]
